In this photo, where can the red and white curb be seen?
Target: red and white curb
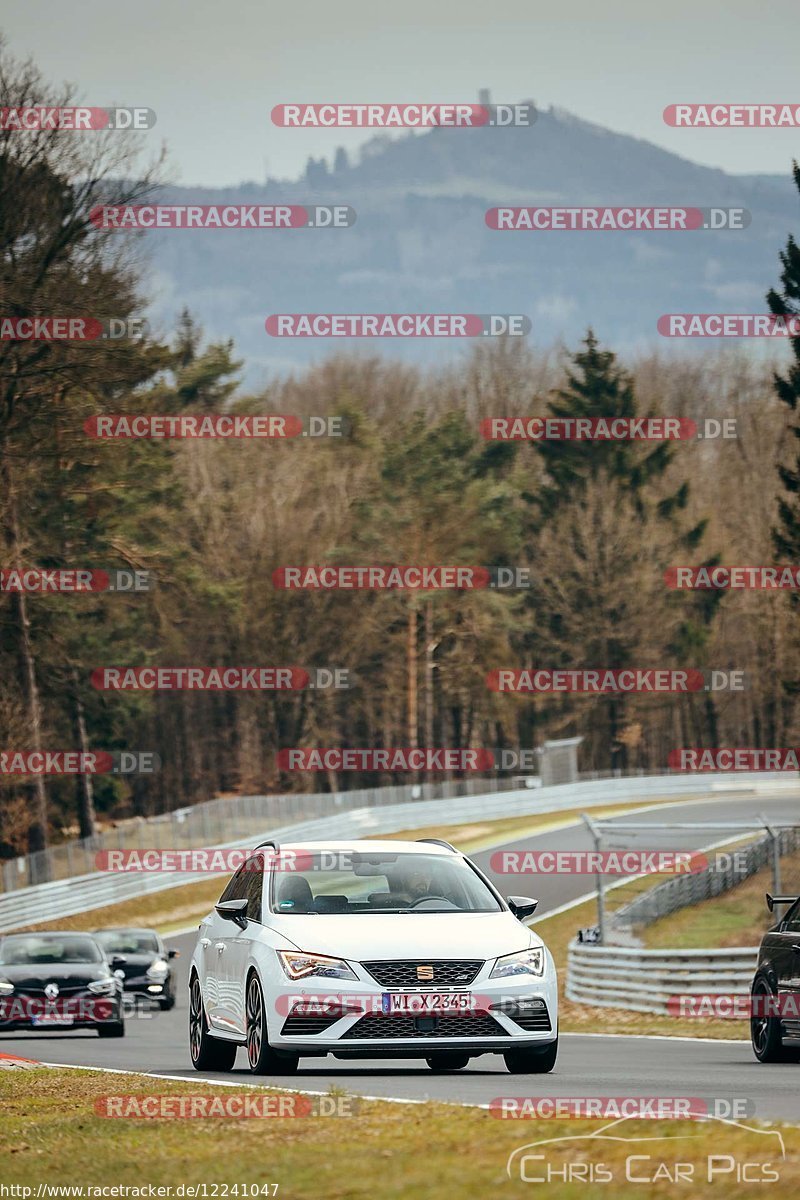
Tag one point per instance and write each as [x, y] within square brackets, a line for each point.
[10, 1062]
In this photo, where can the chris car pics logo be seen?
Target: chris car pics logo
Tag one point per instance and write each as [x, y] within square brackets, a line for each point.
[688, 1157]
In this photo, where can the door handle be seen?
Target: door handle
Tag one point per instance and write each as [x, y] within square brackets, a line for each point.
[219, 947]
[796, 947]
[205, 943]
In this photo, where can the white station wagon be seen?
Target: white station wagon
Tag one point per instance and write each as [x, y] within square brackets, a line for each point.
[369, 949]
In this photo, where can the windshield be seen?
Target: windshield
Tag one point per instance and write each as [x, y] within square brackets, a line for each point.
[116, 941]
[31, 951]
[350, 882]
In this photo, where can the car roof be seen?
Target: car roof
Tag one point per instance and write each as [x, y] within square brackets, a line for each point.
[374, 845]
[125, 929]
[49, 933]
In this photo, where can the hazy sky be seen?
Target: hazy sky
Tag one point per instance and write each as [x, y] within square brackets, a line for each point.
[213, 70]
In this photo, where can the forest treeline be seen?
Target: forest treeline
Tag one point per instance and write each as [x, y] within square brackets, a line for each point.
[412, 482]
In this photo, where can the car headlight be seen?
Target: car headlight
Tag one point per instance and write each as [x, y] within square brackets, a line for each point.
[525, 962]
[299, 966]
[6, 988]
[103, 987]
[158, 969]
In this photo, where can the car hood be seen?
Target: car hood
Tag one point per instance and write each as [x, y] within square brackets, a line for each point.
[66, 975]
[371, 936]
[136, 964]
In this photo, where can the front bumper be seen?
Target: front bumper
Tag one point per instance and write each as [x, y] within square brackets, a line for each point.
[351, 1022]
[154, 989]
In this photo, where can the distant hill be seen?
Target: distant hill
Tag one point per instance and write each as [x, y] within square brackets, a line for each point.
[420, 243]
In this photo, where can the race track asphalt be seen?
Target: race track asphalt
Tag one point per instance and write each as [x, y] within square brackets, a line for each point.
[588, 1065]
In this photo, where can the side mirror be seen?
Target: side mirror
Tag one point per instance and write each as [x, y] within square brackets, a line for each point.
[233, 910]
[522, 906]
[173, 954]
[119, 960]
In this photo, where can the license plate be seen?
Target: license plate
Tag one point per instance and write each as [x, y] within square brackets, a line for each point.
[54, 1019]
[426, 1003]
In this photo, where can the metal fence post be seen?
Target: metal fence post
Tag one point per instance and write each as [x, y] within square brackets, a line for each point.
[776, 854]
[601, 898]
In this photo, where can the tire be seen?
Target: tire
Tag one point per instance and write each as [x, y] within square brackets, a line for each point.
[532, 1062]
[262, 1058]
[447, 1061]
[765, 1031]
[208, 1053]
[112, 1029]
[167, 1003]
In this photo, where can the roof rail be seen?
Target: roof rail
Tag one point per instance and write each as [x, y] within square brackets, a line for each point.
[269, 842]
[438, 842]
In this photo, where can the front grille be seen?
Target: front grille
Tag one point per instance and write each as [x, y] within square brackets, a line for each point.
[402, 972]
[24, 990]
[406, 1027]
[308, 1026]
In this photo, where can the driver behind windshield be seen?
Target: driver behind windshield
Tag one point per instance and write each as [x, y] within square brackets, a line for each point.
[411, 887]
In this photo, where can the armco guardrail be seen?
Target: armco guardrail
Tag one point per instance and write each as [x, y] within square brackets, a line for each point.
[214, 822]
[646, 980]
[65, 897]
[684, 890]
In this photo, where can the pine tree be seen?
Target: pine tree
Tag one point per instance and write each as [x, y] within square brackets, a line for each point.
[597, 387]
[630, 474]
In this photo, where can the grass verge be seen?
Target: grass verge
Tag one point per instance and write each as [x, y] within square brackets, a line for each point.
[736, 918]
[401, 1152]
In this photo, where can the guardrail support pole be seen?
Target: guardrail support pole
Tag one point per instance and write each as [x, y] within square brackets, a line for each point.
[601, 896]
[776, 854]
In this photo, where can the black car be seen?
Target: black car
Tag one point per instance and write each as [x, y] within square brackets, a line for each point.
[58, 981]
[144, 963]
[775, 993]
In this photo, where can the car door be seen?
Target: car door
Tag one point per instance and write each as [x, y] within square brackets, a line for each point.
[788, 966]
[239, 942]
[216, 941]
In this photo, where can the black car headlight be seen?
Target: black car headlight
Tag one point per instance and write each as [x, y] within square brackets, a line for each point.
[103, 987]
